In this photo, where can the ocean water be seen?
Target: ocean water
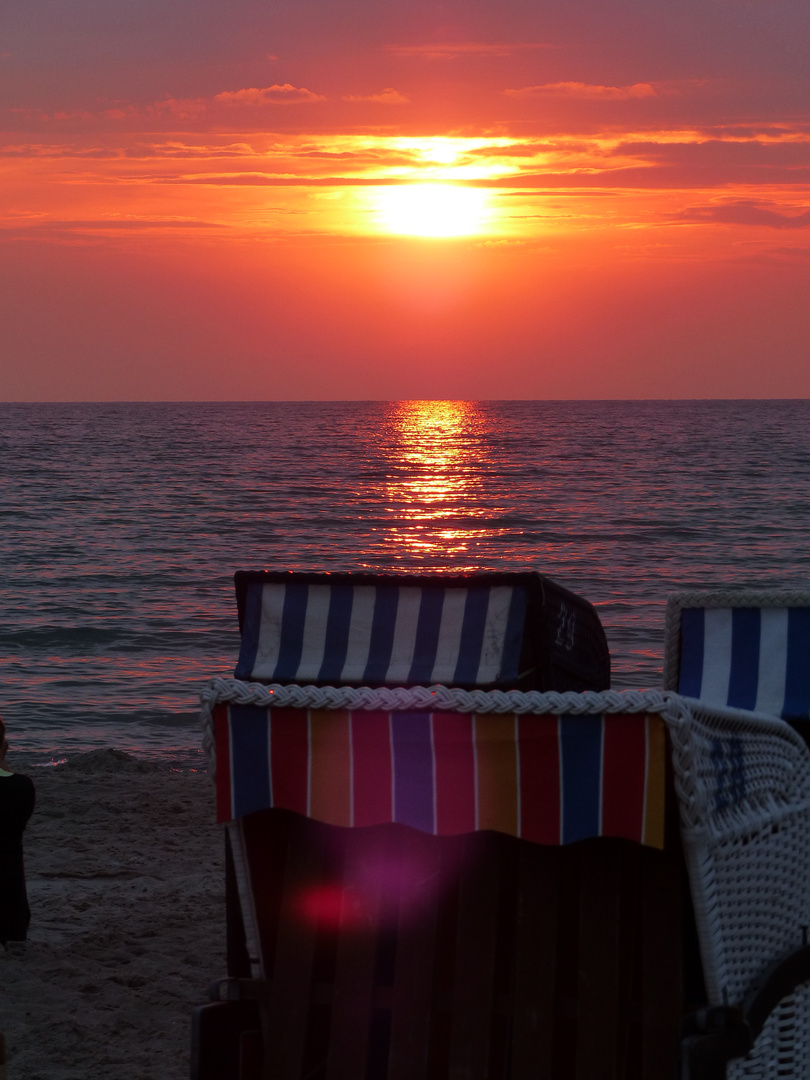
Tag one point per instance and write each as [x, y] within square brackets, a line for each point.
[121, 526]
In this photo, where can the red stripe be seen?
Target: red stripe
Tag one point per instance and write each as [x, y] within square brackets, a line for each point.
[371, 766]
[539, 748]
[624, 760]
[455, 773]
[222, 746]
[289, 758]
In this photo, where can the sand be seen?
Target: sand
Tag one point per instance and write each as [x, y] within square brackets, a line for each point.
[126, 885]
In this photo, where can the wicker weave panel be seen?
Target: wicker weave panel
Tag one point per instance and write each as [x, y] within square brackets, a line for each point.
[743, 783]
[782, 1050]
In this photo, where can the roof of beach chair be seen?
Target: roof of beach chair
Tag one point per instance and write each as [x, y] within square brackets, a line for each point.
[469, 630]
[747, 650]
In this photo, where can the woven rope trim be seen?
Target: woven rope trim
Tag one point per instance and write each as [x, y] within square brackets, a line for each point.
[717, 598]
[435, 698]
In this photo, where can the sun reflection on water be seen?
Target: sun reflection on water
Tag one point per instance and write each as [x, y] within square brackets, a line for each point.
[438, 457]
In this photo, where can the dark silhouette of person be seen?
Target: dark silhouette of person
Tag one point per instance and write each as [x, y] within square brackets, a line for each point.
[17, 797]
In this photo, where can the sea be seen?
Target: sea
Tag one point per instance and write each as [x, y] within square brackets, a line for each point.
[121, 526]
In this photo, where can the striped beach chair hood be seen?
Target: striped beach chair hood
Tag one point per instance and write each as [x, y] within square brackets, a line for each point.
[476, 630]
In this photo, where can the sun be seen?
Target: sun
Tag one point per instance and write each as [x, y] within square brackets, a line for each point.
[436, 210]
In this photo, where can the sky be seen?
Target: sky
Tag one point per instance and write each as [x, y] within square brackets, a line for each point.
[402, 199]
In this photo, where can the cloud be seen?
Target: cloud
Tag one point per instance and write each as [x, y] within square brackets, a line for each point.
[65, 228]
[745, 212]
[450, 50]
[588, 91]
[284, 94]
[175, 108]
[388, 96]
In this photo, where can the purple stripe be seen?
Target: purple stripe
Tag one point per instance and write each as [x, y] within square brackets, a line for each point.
[413, 770]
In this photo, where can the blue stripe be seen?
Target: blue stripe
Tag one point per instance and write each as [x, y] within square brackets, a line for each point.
[581, 776]
[736, 756]
[472, 635]
[728, 763]
[336, 644]
[797, 680]
[513, 641]
[427, 635]
[249, 758]
[692, 635]
[413, 770]
[251, 627]
[383, 623]
[717, 756]
[292, 631]
[742, 684]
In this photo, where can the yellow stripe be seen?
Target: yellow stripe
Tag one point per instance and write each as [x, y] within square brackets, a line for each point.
[330, 767]
[496, 752]
[656, 771]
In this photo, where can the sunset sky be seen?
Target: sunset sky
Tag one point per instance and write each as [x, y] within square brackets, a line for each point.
[234, 199]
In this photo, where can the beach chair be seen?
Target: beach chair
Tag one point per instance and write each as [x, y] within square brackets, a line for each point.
[473, 631]
[439, 883]
[744, 775]
[747, 650]
[446, 882]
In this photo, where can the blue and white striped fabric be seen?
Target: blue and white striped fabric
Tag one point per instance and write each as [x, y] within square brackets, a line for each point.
[382, 634]
[748, 658]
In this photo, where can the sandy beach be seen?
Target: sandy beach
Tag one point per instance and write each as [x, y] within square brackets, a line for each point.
[126, 885]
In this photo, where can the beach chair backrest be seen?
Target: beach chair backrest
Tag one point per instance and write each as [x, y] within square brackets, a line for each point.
[742, 650]
[743, 784]
[434, 938]
[473, 630]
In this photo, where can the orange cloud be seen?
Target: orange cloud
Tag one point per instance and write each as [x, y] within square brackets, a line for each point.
[588, 91]
[388, 96]
[284, 94]
[746, 212]
[450, 50]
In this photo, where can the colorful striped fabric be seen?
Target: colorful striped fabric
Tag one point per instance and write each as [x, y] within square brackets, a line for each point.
[549, 779]
[748, 658]
[382, 634]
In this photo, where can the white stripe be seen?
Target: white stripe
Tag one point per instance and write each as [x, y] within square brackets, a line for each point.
[444, 669]
[489, 669]
[410, 599]
[449, 636]
[246, 898]
[716, 656]
[359, 633]
[773, 651]
[269, 631]
[314, 640]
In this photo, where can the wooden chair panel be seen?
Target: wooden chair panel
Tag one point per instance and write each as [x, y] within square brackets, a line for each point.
[393, 955]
